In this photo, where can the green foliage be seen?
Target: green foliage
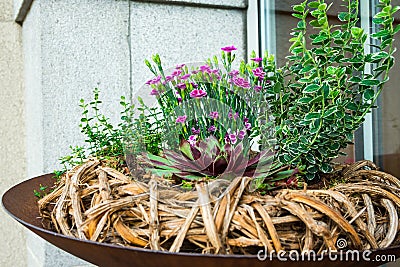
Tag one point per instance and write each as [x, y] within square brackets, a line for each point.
[325, 90]
[41, 192]
[106, 141]
[103, 138]
[146, 130]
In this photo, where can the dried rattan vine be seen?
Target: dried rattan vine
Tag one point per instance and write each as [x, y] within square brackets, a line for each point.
[98, 203]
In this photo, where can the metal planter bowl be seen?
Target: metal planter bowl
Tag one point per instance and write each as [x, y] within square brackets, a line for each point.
[20, 203]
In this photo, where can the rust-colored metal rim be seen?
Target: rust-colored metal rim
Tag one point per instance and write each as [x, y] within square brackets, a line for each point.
[20, 203]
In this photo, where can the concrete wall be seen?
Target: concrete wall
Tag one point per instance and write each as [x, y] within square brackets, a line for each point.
[12, 155]
[72, 46]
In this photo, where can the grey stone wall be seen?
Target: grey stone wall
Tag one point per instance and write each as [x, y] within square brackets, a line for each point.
[12, 131]
[72, 46]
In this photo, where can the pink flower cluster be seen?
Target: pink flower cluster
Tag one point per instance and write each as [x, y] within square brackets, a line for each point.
[181, 119]
[155, 80]
[258, 72]
[198, 93]
[232, 138]
[229, 49]
[214, 115]
[241, 82]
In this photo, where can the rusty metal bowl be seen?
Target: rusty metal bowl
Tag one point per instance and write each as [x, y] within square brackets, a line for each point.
[20, 203]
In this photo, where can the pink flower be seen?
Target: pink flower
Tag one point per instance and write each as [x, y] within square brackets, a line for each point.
[238, 81]
[186, 76]
[256, 59]
[226, 139]
[235, 116]
[195, 131]
[181, 86]
[154, 92]
[198, 93]
[214, 115]
[212, 128]
[228, 48]
[234, 73]
[258, 72]
[205, 68]
[155, 80]
[180, 66]
[247, 125]
[232, 138]
[192, 140]
[176, 73]
[257, 88]
[241, 134]
[195, 85]
[181, 119]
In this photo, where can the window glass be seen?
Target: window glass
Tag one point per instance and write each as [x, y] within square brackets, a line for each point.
[387, 118]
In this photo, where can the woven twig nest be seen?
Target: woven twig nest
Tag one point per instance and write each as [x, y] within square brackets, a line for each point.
[99, 203]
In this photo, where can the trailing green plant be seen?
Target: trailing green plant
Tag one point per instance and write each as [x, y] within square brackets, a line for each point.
[106, 141]
[41, 192]
[324, 92]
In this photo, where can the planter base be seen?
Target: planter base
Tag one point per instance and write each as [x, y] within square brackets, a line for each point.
[21, 204]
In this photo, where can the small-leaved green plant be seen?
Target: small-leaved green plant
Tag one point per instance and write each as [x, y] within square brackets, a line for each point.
[107, 141]
[324, 92]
